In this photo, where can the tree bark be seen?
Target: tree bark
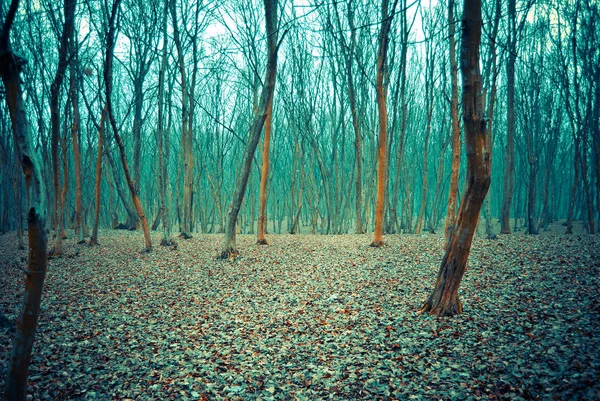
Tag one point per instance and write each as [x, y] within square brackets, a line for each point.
[162, 164]
[63, 62]
[451, 211]
[10, 68]
[386, 23]
[262, 220]
[74, 94]
[98, 184]
[509, 172]
[229, 250]
[110, 45]
[444, 300]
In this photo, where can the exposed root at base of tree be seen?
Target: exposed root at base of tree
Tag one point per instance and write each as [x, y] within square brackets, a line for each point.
[229, 254]
[185, 236]
[262, 242]
[169, 242]
[377, 244]
[146, 250]
[122, 226]
[442, 310]
[81, 242]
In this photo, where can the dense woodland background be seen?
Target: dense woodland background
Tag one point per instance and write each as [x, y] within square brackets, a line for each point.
[540, 66]
[149, 116]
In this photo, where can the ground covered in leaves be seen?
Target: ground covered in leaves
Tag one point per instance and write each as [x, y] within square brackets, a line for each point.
[310, 317]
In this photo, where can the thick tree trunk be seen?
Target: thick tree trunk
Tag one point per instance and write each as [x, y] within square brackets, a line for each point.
[386, 22]
[10, 68]
[20, 355]
[444, 300]
[264, 175]
[451, 211]
[229, 250]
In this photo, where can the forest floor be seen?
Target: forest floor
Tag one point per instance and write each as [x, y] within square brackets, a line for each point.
[310, 317]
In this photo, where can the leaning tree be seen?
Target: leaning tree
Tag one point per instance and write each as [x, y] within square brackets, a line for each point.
[444, 301]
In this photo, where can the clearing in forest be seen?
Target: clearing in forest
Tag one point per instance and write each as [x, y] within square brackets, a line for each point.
[310, 317]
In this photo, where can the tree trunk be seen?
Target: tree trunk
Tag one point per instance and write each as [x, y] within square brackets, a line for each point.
[97, 186]
[386, 23]
[110, 44]
[229, 250]
[69, 12]
[73, 87]
[451, 212]
[429, 77]
[18, 363]
[509, 171]
[444, 300]
[264, 175]
[162, 164]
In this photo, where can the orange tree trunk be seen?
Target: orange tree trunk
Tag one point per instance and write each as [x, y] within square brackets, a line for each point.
[386, 22]
[229, 248]
[110, 44]
[444, 301]
[264, 175]
[451, 213]
[10, 68]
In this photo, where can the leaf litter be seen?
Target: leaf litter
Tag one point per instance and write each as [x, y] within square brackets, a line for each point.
[310, 317]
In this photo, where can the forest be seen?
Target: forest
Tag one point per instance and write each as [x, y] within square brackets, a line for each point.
[299, 199]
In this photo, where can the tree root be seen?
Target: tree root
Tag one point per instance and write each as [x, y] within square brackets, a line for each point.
[185, 236]
[262, 242]
[442, 310]
[377, 244]
[169, 242]
[229, 254]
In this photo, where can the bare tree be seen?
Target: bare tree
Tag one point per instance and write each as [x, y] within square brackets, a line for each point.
[444, 300]
[229, 247]
[20, 355]
[386, 23]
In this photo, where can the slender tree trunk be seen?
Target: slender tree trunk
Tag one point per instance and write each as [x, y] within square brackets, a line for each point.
[229, 247]
[573, 198]
[386, 22]
[110, 44]
[429, 71]
[138, 101]
[451, 211]
[73, 87]
[97, 186]
[509, 171]
[69, 12]
[262, 220]
[444, 300]
[65, 186]
[162, 164]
